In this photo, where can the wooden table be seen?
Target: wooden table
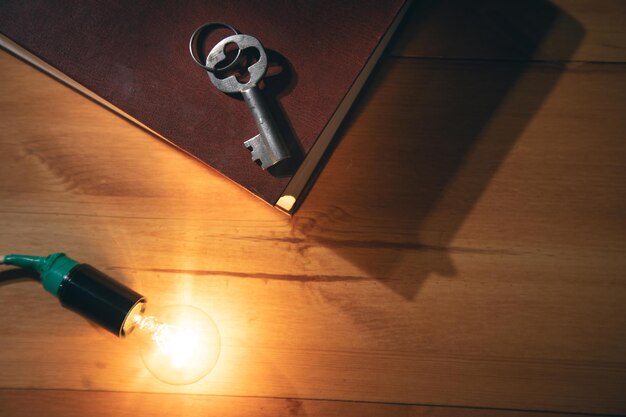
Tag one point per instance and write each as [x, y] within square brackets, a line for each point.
[463, 253]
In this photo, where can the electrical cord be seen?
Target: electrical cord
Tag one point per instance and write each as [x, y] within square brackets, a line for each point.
[38, 263]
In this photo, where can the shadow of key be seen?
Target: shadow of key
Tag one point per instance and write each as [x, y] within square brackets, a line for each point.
[279, 80]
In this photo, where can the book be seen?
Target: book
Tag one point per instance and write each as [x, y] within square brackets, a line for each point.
[133, 58]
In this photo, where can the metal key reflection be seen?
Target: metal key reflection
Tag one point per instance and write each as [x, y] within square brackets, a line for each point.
[268, 147]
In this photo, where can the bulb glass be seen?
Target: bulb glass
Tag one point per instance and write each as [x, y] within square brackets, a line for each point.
[178, 344]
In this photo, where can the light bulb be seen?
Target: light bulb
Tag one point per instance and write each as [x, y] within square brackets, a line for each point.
[178, 344]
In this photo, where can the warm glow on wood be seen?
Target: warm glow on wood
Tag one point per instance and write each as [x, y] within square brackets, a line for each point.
[463, 247]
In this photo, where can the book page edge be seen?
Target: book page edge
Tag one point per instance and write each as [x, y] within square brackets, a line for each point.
[295, 187]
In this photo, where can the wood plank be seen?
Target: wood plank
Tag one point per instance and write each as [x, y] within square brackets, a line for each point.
[65, 403]
[558, 30]
[464, 245]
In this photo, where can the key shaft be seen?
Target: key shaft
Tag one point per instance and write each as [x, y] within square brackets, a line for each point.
[274, 149]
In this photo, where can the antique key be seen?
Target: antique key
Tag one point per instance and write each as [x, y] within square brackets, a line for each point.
[268, 147]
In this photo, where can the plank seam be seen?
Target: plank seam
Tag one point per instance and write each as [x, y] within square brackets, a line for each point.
[505, 60]
[521, 410]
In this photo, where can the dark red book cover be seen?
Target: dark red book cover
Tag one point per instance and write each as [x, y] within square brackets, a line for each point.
[134, 55]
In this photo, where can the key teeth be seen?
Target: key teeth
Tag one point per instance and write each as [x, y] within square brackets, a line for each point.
[255, 145]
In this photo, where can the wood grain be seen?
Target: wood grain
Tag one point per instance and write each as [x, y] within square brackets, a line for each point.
[464, 247]
[73, 403]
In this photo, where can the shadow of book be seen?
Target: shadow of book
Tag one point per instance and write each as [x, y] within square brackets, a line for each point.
[427, 136]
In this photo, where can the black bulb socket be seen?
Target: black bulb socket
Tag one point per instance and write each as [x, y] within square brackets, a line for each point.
[98, 297]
